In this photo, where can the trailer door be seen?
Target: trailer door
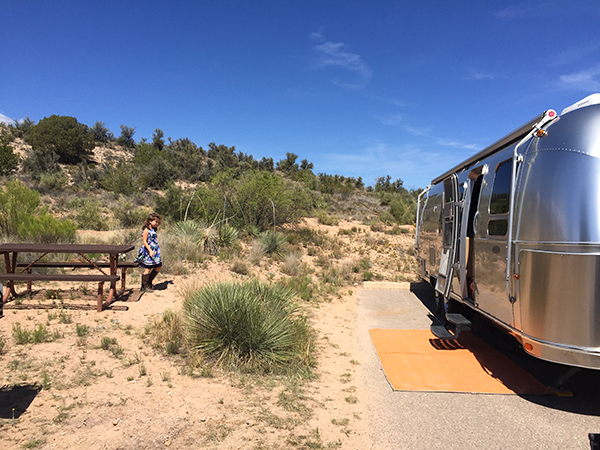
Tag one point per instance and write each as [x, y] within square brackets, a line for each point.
[449, 234]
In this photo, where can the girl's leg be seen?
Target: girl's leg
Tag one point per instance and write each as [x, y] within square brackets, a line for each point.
[153, 275]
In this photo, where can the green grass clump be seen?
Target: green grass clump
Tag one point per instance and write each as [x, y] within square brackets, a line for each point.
[252, 326]
[34, 336]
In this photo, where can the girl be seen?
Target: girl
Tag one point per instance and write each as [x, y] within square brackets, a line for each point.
[149, 255]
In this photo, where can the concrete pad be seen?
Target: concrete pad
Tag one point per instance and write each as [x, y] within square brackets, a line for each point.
[387, 285]
[425, 421]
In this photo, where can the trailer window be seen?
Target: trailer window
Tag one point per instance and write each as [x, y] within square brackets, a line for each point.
[499, 202]
[498, 227]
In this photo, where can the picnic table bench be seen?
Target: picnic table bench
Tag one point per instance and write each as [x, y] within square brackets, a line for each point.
[11, 252]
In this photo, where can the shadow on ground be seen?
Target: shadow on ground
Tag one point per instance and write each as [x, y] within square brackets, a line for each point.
[14, 400]
[583, 386]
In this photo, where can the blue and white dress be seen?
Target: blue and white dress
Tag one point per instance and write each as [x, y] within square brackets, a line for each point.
[144, 258]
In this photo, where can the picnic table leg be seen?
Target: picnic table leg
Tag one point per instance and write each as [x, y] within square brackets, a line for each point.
[123, 277]
[10, 284]
[100, 291]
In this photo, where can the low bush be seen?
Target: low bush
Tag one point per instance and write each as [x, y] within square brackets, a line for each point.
[326, 219]
[252, 326]
[46, 229]
[89, 216]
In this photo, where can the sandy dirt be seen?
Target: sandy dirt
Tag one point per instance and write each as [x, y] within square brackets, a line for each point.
[71, 393]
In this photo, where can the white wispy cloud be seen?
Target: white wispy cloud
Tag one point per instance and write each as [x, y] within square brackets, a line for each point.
[398, 120]
[530, 8]
[585, 80]
[5, 119]
[576, 53]
[335, 54]
[480, 76]
[392, 120]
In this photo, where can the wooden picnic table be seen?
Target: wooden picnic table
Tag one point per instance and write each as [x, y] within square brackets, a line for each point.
[86, 251]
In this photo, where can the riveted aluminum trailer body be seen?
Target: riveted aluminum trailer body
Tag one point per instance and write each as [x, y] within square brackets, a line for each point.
[514, 233]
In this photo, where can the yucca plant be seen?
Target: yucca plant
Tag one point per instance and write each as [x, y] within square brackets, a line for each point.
[204, 237]
[190, 229]
[272, 241]
[227, 235]
[253, 326]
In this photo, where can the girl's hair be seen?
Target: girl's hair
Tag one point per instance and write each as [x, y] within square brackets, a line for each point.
[150, 218]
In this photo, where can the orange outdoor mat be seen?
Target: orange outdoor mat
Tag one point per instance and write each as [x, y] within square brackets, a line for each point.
[416, 360]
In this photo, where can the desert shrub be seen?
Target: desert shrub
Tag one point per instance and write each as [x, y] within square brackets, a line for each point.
[302, 285]
[128, 215]
[386, 217]
[9, 160]
[326, 219]
[153, 166]
[403, 209]
[70, 140]
[240, 267]
[292, 265]
[257, 252]
[85, 176]
[190, 160]
[21, 215]
[55, 181]
[89, 217]
[121, 178]
[38, 163]
[169, 332]
[16, 203]
[265, 199]
[46, 228]
[252, 326]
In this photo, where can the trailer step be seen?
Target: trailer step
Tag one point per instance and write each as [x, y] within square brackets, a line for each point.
[442, 332]
[459, 320]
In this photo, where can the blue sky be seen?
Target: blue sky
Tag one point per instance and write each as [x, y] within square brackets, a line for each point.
[372, 88]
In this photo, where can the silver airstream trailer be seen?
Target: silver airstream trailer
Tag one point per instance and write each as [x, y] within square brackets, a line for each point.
[514, 233]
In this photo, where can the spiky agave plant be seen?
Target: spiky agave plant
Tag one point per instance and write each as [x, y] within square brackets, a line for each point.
[254, 326]
[227, 235]
[272, 241]
[191, 230]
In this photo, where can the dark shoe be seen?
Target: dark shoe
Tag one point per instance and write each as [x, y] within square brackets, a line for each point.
[145, 282]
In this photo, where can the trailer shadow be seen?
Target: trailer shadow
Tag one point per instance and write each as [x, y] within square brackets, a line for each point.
[582, 395]
[14, 400]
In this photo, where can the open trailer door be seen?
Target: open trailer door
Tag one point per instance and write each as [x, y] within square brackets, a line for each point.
[450, 217]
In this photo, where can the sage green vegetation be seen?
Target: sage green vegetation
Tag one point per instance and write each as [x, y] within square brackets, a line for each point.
[251, 326]
[9, 160]
[22, 216]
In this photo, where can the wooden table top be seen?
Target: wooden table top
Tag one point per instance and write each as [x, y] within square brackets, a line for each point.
[65, 248]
